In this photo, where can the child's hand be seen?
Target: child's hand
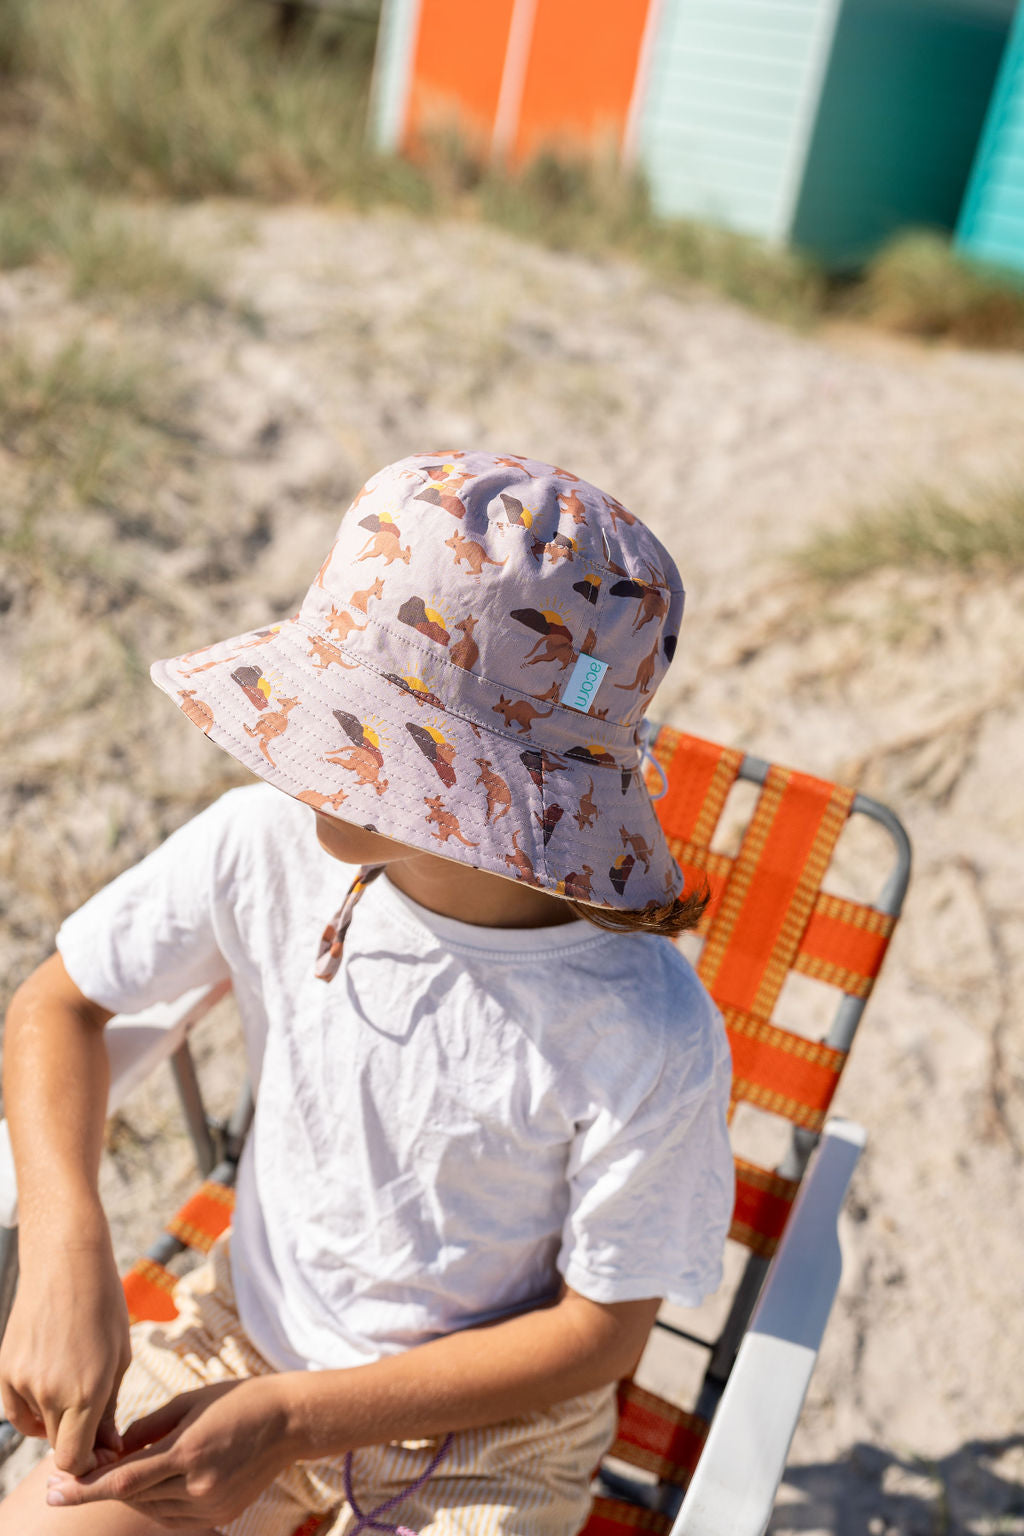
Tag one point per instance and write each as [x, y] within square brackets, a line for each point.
[66, 1349]
[198, 1461]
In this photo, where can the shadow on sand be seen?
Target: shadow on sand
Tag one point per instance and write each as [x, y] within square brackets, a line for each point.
[977, 1490]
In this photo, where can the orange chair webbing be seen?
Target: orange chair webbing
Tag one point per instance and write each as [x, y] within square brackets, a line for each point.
[844, 944]
[771, 891]
[609, 1517]
[657, 1435]
[783, 1073]
[204, 1217]
[148, 1291]
[763, 1202]
[315, 1524]
[698, 784]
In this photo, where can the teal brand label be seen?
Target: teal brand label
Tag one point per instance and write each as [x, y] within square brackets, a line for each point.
[581, 689]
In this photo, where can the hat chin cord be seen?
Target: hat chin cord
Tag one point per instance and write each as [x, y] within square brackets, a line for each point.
[645, 734]
[372, 1521]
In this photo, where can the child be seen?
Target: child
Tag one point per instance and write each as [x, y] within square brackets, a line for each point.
[490, 1133]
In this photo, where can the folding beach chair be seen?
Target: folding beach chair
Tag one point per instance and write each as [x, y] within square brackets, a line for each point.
[712, 1470]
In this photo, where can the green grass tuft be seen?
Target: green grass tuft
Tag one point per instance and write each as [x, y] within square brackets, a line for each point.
[80, 418]
[14, 34]
[102, 250]
[188, 98]
[920, 285]
[774, 281]
[929, 530]
[595, 204]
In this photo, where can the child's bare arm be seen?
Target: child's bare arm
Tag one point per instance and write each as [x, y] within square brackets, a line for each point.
[201, 1459]
[475, 1377]
[66, 1344]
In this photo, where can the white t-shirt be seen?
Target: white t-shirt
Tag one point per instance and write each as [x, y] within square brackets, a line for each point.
[462, 1115]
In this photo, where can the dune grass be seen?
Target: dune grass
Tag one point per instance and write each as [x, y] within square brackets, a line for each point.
[928, 530]
[919, 285]
[183, 99]
[38, 398]
[14, 16]
[190, 98]
[193, 98]
[597, 205]
[80, 429]
[102, 250]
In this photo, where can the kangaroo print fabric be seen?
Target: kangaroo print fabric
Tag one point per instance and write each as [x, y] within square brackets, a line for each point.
[426, 687]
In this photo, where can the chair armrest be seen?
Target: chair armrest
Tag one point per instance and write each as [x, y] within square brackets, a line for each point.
[136, 1043]
[733, 1490]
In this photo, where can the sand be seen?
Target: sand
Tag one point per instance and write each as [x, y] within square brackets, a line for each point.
[356, 339]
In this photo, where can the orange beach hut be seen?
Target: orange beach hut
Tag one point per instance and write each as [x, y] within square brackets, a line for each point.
[498, 69]
[826, 124]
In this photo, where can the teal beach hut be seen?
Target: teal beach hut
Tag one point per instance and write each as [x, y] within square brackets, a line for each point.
[829, 124]
[991, 226]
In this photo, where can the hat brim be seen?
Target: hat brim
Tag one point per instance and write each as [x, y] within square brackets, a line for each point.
[384, 753]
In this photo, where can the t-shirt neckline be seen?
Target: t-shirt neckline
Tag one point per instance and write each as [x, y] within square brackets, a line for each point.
[577, 935]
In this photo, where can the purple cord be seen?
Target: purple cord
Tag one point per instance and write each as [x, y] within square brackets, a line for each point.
[372, 1521]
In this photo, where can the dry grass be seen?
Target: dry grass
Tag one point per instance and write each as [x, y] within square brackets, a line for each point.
[101, 249]
[192, 98]
[920, 286]
[596, 205]
[926, 530]
[188, 98]
[80, 415]
[99, 470]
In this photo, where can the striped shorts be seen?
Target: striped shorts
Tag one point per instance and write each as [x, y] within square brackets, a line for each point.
[528, 1476]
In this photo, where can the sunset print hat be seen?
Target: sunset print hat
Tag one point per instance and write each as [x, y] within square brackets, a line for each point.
[468, 673]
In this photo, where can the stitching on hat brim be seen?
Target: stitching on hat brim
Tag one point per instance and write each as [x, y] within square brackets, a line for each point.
[279, 648]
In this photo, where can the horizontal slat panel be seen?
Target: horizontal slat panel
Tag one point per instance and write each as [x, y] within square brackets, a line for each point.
[992, 219]
[727, 96]
[1001, 229]
[714, 177]
[728, 141]
[998, 254]
[736, 71]
[756, 13]
[710, 100]
[744, 214]
[1002, 174]
[1006, 198]
[768, 45]
[1011, 138]
[707, 90]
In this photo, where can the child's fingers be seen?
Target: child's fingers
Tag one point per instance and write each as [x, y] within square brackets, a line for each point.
[73, 1441]
[20, 1411]
[107, 1434]
[153, 1426]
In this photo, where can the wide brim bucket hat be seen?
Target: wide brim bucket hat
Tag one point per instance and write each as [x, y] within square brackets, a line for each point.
[468, 673]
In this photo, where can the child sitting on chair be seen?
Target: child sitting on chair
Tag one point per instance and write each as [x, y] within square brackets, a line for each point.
[490, 1116]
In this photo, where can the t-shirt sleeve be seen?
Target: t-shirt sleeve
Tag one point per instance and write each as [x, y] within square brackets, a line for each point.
[651, 1197]
[150, 934]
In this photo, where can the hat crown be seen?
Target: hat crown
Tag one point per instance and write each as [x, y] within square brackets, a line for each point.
[476, 582]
